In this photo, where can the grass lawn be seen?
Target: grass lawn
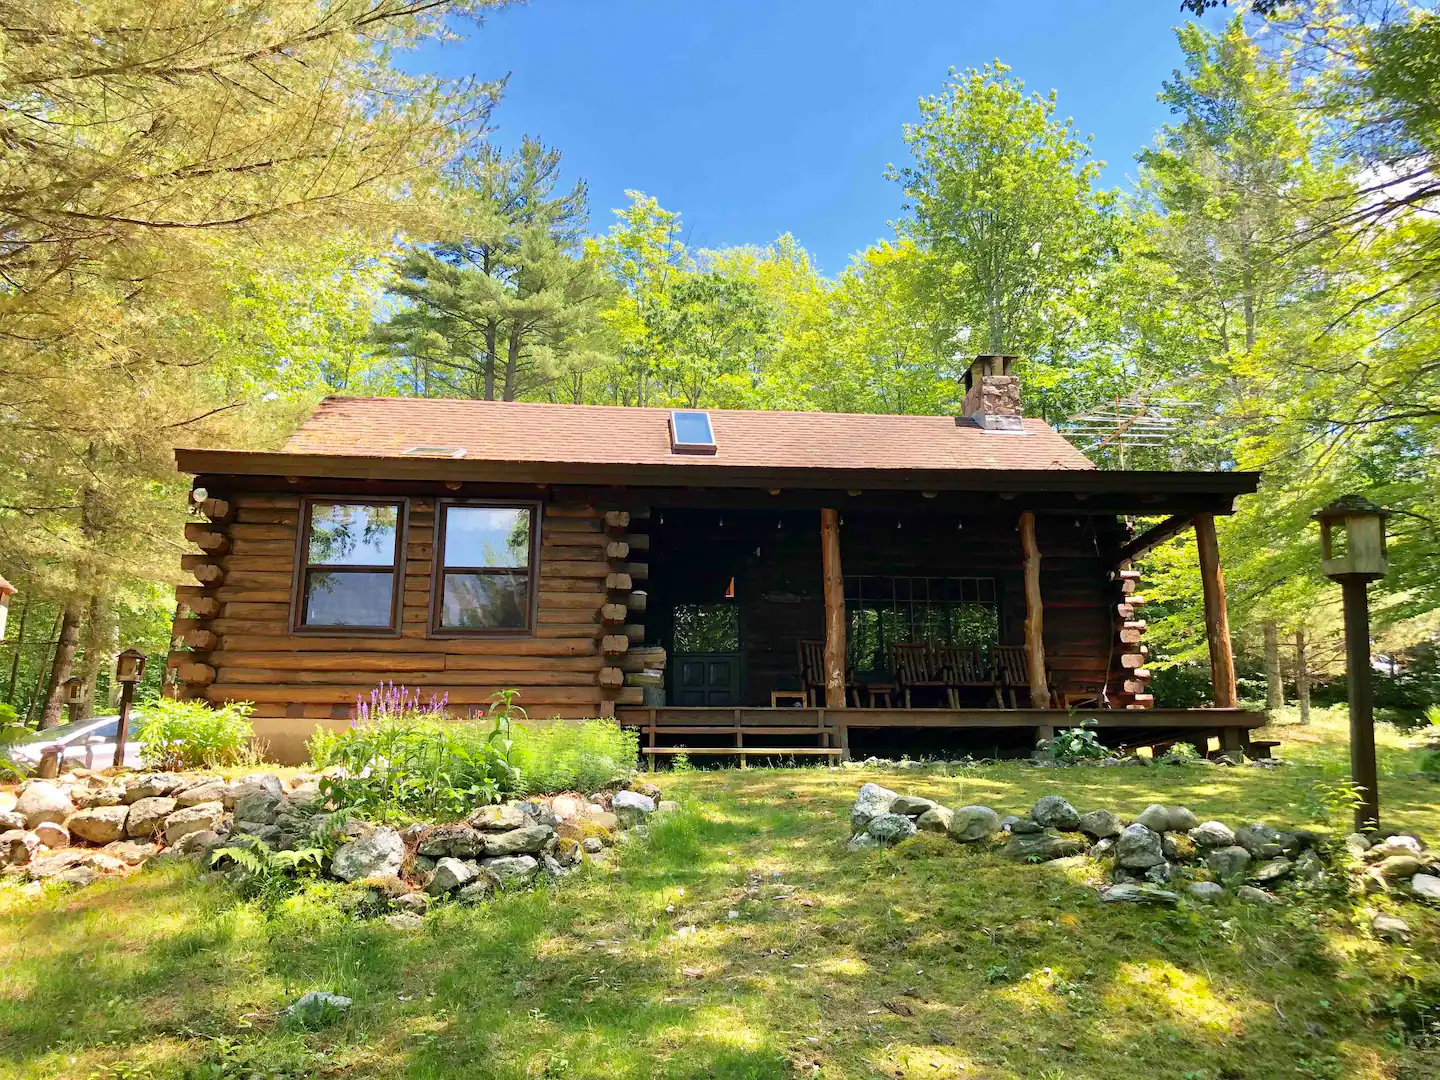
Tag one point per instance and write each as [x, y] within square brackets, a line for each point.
[743, 941]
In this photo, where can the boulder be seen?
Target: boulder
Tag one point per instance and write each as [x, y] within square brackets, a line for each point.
[1390, 928]
[43, 801]
[405, 920]
[1207, 891]
[911, 805]
[1212, 834]
[1399, 866]
[526, 841]
[937, 819]
[53, 836]
[602, 819]
[1139, 848]
[667, 806]
[256, 782]
[132, 852]
[381, 853]
[1356, 845]
[417, 903]
[477, 890]
[499, 818]
[631, 808]
[861, 842]
[1426, 887]
[888, 830]
[151, 785]
[1154, 817]
[317, 1008]
[1393, 845]
[198, 818]
[77, 876]
[1103, 849]
[84, 797]
[148, 815]
[1137, 894]
[18, 847]
[1042, 846]
[1260, 840]
[872, 801]
[11, 819]
[256, 803]
[1251, 895]
[1309, 867]
[1182, 819]
[206, 791]
[43, 869]
[1053, 812]
[267, 834]
[199, 844]
[1100, 825]
[971, 823]
[508, 870]
[1228, 863]
[1272, 870]
[99, 824]
[450, 874]
[591, 845]
[568, 852]
[459, 841]
[566, 807]
[1018, 825]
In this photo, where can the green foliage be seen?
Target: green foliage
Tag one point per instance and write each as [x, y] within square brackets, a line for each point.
[582, 756]
[1076, 744]
[194, 734]
[1180, 753]
[420, 763]
[264, 874]
[12, 734]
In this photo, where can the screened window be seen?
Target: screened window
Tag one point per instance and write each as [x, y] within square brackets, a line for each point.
[486, 554]
[883, 611]
[349, 565]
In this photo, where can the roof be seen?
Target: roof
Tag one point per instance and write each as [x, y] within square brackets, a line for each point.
[513, 431]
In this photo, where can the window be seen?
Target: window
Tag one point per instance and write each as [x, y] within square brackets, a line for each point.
[484, 560]
[349, 562]
[707, 628]
[885, 611]
[690, 432]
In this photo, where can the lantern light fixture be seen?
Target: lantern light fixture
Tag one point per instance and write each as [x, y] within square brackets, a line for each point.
[130, 666]
[74, 691]
[1352, 539]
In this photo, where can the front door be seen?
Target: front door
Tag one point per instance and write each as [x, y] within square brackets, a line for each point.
[707, 665]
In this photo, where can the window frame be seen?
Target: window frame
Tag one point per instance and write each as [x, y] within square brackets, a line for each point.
[303, 567]
[438, 570]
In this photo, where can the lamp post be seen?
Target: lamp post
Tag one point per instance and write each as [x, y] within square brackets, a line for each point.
[74, 695]
[129, 670]
[1352, 552]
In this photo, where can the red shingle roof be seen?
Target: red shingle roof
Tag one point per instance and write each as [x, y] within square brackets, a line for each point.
[616, 435]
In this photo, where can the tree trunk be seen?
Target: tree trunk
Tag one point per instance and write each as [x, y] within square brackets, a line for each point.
[1302, 677]
[60, 666]
[19, 648]
[512, 365]
[491, 332]
[1274, 689]
[93, 659]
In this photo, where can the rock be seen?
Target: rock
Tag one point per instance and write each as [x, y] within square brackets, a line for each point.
[1393, 845]
[52, 835]
[415, 902]
[1228, 863]
[887, 830]
[537, 813]
[972, 823]
[105, 864]
[78, 876]
[1053, 812]
[1018, 826]
[1103, 849]
[566, 807]
[198, 844]
[206, 791]
[631, 808]
[1160, 873]
[1207, 891]
[872, 801]
[84, 798]
[1260, 840]
[1356, 844]
[644, 787]
[911, 805]
[477, 890]
[1272, 871]
[100, 824]
[568, 852]
[151, 785]
[18, 847]
[1182, 819]
[11, 820]
[1251, 895]
[1100, 825]
[317, 1008]
[258, 782]
[130, 851]
[198, 818]
[601, 819]
[1212, 834]
[1154, 817]
[380, 853]
[862, 841]
[1309, 867]
[1399, 866]
[268, 834]
[148, 815]
[508, 870]
[552, 868]
[1139, 848]
[667, 806]
[1137, 894]
[591, 845]
[526, 841]
[1426, 887]
[500, 818]
[937, 820]
[450, 874]
[43, 801]
[1390, 928]
[42, 869]
[459, 841]
[1042, 846]
[258, 804]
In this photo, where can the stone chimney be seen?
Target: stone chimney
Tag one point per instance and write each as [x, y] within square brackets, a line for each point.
[992, 394]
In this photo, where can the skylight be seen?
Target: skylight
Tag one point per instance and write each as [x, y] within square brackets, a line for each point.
[690, 432]
[435, 451]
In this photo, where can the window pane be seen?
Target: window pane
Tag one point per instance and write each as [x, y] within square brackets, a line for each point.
[348, 598]
[485, 601]
[350, 534]
[692, 428]
[487, 536]
[706, 628]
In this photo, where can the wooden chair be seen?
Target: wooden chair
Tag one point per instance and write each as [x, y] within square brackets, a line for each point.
[965, 669]
[1011, 672]
[916, 667]
[812, 672]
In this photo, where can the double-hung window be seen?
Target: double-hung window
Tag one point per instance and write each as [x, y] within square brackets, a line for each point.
[349, 565]
[485, 560]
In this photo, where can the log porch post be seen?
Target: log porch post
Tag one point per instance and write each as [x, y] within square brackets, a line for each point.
[1217, 620]
[834, 609]
[1034, 615]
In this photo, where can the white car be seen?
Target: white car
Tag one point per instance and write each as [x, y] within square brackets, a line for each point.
[88, 743]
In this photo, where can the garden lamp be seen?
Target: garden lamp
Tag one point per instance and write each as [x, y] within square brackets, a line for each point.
[129, 670]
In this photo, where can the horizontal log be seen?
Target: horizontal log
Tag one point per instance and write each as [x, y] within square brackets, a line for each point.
[1134, 624]
[571, 510]
[610, 676]
[617, 549]
[197, 639]
[638, 570]
[640, 657]
[207, 573]
[533, 699]
[645, 677]
[574, 664]
[283, 548]
[428, 681]
[612, 613]
[256, 532]
[618, 582]
[630, 695]
[1135, 686]
[1144, 700]
[588, 526]
[617, 519]
[573, 568]
[570, 601]
[1132, 660]
[248, 595]
[196, 674]
[1128, 575]
[459, 646]
[267, 499]
[329, 661]
[634, 632]
[614, 644]
[209, 540]
[556, 544]
[637, 600]
[202, 606]
[217, 510]
[1130, 635]
[638, 541]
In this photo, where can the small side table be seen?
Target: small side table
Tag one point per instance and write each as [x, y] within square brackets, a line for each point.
[788, 699]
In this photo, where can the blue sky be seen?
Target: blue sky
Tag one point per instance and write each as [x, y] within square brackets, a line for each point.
[753, 119]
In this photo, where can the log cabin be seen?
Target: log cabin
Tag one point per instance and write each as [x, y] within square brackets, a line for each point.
[735, 583]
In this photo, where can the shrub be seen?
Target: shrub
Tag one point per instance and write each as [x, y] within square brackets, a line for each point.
[570, 756]
[404, 757]
[193, 734]
[11, 735]
[1077, 744]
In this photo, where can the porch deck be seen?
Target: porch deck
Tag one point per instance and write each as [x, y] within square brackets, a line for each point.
[667, 730]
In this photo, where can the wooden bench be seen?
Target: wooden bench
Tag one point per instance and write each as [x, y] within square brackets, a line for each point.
[1260, 748]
